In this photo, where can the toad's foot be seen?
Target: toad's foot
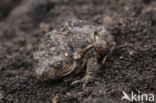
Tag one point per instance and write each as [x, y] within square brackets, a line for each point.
[85, 80]
[92, 68]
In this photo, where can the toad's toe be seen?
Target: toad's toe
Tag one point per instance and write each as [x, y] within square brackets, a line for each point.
[85, 80]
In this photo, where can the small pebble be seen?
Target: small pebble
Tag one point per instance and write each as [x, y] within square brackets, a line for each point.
[2, 95]
[107, 19]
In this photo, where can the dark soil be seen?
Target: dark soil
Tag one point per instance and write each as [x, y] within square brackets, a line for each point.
[132, 66]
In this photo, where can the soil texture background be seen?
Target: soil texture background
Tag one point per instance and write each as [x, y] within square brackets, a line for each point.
[131, 67]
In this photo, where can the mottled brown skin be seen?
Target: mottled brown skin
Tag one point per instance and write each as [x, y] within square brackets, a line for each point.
[75, 47]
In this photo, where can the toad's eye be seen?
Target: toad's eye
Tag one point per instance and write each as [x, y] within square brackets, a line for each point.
[57, 65]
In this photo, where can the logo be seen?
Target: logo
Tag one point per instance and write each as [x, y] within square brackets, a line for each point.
[137, 97]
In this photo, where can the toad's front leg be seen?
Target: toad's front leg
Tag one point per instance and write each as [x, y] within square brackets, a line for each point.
[92, 68]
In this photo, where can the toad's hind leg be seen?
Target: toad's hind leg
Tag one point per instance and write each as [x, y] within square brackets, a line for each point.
[92, 68]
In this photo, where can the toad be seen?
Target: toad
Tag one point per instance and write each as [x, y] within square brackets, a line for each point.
[74, 47]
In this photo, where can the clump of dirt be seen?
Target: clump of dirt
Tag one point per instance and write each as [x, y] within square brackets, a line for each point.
[131, 67]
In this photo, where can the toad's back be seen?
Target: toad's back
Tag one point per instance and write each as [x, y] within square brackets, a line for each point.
[67, 40]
